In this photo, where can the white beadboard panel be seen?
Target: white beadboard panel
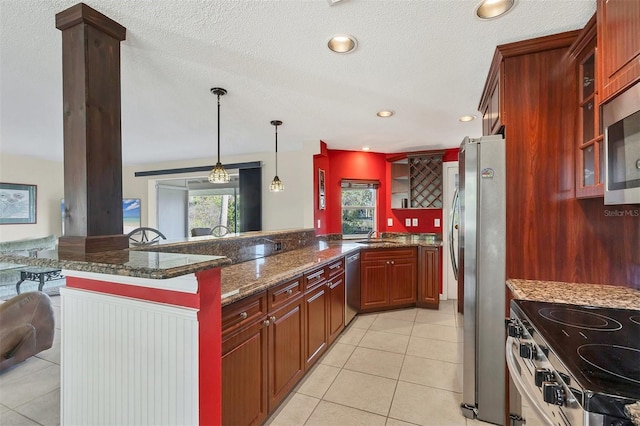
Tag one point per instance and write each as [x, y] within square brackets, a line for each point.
[184, 283]
[127, 362]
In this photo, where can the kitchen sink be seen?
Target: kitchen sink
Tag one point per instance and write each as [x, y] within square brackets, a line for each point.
[374, 241]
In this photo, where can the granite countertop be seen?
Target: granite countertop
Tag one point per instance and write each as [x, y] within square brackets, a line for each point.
[238, 281]
[397, 241]
[247, 278]
[139, 264]
[208, 239]
[608, 296]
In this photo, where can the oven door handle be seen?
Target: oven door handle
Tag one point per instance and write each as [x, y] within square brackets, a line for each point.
[520, 384]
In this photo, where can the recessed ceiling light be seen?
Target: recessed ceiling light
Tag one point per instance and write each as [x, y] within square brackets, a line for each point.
[332, 2]
[385, 113]
[342, 43]
[366, 148]
[466, 118]
[489, 9]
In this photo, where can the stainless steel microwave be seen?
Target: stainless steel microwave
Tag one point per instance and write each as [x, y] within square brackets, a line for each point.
[621, 120]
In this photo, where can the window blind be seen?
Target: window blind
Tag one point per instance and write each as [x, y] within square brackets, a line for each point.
[359, 183]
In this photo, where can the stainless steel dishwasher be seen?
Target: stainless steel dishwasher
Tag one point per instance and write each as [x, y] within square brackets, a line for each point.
[352, 291]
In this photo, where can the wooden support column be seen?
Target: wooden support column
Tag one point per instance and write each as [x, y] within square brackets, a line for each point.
[92, 131]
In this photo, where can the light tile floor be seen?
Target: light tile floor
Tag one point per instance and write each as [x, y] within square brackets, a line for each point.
[398, 367]
[401, 367]
[30, 391]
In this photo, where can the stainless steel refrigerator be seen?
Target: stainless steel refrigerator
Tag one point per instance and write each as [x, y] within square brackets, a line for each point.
[481, 260]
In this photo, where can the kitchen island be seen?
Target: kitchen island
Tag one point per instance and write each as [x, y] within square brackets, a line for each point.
[138, 326]
[146, 324]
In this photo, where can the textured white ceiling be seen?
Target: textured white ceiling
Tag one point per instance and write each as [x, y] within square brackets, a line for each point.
[425, 59]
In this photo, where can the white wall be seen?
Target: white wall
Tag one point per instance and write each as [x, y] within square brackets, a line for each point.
[292, 208]
[49, 178]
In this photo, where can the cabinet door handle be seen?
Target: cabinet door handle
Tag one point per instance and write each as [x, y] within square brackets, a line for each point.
[289, 292]
[392, 262]
[266, 323]
[272, 318]
[243, 315]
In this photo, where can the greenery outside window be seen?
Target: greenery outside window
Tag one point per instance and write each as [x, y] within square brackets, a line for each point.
[211, 207]
[359, 200]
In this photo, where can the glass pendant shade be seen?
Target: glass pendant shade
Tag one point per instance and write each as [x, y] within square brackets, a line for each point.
[276, 183]
[218, 174]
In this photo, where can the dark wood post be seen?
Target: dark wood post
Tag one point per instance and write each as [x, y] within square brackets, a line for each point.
[92, 131]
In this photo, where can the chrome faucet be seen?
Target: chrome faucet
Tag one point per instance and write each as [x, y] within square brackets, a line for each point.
[370, 234]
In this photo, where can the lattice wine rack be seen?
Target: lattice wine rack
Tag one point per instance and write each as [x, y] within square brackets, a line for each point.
[425, 177]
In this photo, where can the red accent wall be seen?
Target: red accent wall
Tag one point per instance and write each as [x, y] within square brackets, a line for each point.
[339, 164]
[353, 165]
[451, 154]
[425, 218]
[320, 161]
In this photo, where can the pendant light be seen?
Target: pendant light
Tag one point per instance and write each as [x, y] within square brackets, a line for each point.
[218, 174]
[276, 184]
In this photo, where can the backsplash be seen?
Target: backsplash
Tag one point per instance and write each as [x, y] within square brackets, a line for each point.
[240, 247]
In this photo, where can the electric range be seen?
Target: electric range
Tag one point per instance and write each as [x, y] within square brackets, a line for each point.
[577, 365]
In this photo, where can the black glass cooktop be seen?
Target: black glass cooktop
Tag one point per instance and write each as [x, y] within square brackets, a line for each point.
[599, 346]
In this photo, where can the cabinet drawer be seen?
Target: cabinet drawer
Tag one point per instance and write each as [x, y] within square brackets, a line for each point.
[335, 268]
[311, 279]
[282, 293]
[386, 254]
[243, 312]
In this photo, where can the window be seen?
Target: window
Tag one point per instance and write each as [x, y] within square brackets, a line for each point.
[359, 199]
[211, 207]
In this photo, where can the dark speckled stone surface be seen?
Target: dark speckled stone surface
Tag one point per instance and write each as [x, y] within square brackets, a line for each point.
[247, 278]
[256, 267]
[124, 262]
[239, 247]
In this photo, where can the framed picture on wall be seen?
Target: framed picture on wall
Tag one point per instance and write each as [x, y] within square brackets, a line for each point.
[17, 203]
[131, 217]
[321, 190]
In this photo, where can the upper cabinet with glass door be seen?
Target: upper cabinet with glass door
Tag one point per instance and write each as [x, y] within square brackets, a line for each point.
[589, 143]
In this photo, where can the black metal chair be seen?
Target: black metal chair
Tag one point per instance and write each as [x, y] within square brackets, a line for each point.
[199, 232]
[145, 236]
[219, 231]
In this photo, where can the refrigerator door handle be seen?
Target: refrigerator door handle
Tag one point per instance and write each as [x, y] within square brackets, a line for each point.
[452, 228]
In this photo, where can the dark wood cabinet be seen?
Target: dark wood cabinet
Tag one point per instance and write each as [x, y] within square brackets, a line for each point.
[244, 362]
[618, 45]
[262, 352]
[285, 339]
[270, 339]
[388, 278]
[429, 277]
[402, 280]
[324, 309]
[491, 104]
[373, 281]
[335, 309]
[416, 180]
[285, 349]
[316, 332]
[589, 139]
